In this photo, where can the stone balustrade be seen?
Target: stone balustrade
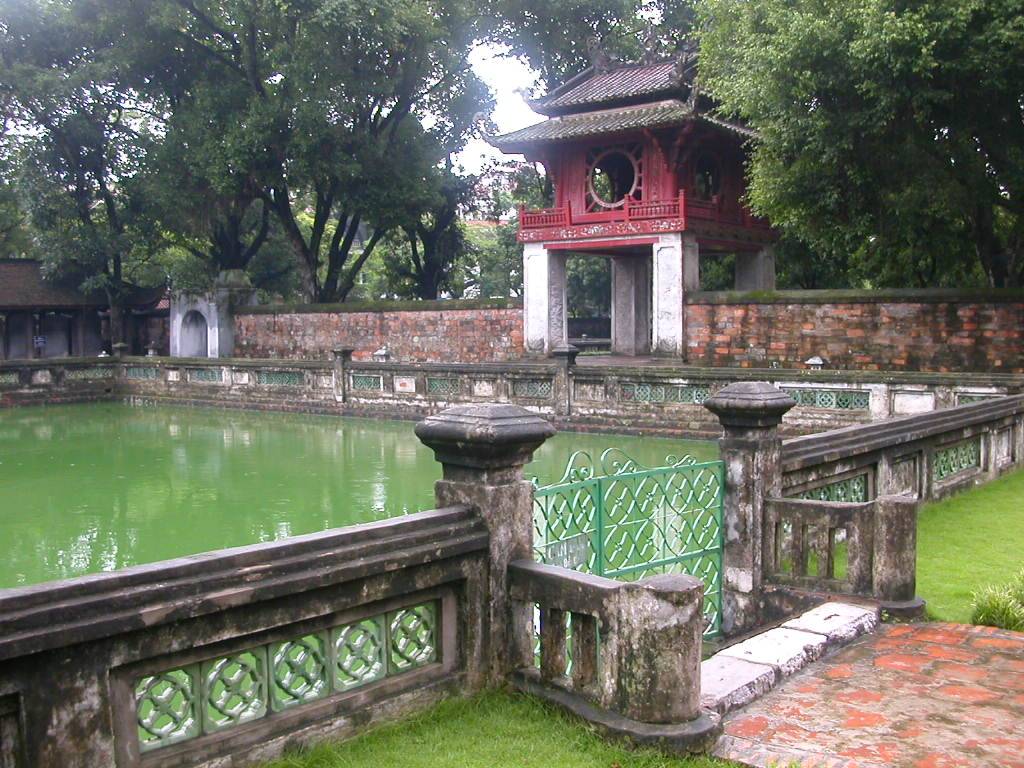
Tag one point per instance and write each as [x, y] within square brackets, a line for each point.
[649, 399]
[836, 512]
[635, 652]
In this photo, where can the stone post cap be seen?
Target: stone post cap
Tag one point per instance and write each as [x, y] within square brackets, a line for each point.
[486, 436]
[676, 588]
[119, 348]
[566, 353]
[750, 404]
[343, 352]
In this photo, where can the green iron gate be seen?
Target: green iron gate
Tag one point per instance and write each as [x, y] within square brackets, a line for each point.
[624, 521]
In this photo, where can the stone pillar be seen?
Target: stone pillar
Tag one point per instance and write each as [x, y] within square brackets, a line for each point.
[676, 269]
[544, 313]
[566, 359]
[482, 449]
[750, 414]
[894, 559]
[661, 625]
[630, 305]
[756, 271]
[77, 341]
[232, 289]
[3, 336]
[33, 328]
[342, 357]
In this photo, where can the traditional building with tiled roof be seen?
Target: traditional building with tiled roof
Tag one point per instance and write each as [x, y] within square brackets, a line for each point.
[42, 318]
[645, 173]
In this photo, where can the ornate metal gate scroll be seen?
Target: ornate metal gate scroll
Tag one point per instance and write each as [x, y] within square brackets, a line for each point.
[618, 519]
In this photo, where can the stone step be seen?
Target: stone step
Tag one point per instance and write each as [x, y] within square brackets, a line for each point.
[741, 673]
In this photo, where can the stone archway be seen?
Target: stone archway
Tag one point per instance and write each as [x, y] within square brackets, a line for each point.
[194, 335]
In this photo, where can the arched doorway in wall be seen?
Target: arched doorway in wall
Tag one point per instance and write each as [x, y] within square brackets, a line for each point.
[194, 335]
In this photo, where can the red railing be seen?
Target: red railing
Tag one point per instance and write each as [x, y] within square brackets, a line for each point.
[640, 210]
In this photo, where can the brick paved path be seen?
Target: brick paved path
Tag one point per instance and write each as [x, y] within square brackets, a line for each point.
[922, 695]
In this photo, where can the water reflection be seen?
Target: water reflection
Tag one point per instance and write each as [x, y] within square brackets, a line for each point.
[98, 487]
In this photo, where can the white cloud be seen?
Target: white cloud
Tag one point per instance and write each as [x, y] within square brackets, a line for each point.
[509, 78]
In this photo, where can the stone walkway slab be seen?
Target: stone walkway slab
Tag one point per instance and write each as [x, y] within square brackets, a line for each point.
[910, 696]
[839, 622]
[787, 650]
[727, 683]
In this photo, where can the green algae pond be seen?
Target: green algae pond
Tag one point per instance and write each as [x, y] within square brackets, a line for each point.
[90, 488]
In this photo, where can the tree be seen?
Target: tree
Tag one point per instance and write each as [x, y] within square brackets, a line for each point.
[890, 131]
[75, 125]
[336, 109]
[560, 38]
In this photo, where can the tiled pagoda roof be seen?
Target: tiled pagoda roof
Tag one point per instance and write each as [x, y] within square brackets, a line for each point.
[595, 90]
[658, 115]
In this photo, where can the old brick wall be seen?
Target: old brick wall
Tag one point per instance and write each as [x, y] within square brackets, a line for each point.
[455, 333]
[914, 334]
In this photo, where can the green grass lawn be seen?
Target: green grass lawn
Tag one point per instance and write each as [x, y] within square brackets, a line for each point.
[494, 730]
[972, 540]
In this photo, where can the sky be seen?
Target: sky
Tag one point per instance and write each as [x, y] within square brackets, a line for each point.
[508, 78]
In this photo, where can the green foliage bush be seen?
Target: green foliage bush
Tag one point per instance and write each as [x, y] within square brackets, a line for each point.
[1001, 606]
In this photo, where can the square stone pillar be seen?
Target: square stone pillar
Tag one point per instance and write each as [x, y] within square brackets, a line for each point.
[676, 270]
[544, 311]
[631, 320]
[756, 271]
[482, 450]
[750, 413]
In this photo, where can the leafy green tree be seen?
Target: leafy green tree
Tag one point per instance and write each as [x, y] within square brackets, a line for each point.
[890, 130]
[561, 38]
[75, 125]
[329, 104]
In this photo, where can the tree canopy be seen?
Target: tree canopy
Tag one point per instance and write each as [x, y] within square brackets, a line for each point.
[891, 131]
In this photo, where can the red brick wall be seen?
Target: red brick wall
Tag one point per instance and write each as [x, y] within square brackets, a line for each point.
[450, 335]
[868, 335]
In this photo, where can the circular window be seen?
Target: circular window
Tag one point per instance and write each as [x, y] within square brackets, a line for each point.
[612, 179]
[707, 181]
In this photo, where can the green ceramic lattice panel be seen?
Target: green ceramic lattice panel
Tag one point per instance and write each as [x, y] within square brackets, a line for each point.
[443, 386]
[850, 489]
[831, 399]
[956, 458]
[300, 670]
[234, 689]
[141, 372]
[88, 374]
[966, 398]
[219, 694]
[359, 653]
[207, 375]
[166, 708]
[413, 641]
[280, 378]
[365, 382]
[537, 389]
[664, 393]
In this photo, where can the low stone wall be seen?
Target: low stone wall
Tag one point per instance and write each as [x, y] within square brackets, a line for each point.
[652, 400]
[939, 331]
[435, 331]
[230, 657]
[927, 456]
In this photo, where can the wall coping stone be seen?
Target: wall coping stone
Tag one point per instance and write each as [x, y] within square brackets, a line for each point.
[848, 296]
[85, 608]
[845, 442]
[441, 305]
